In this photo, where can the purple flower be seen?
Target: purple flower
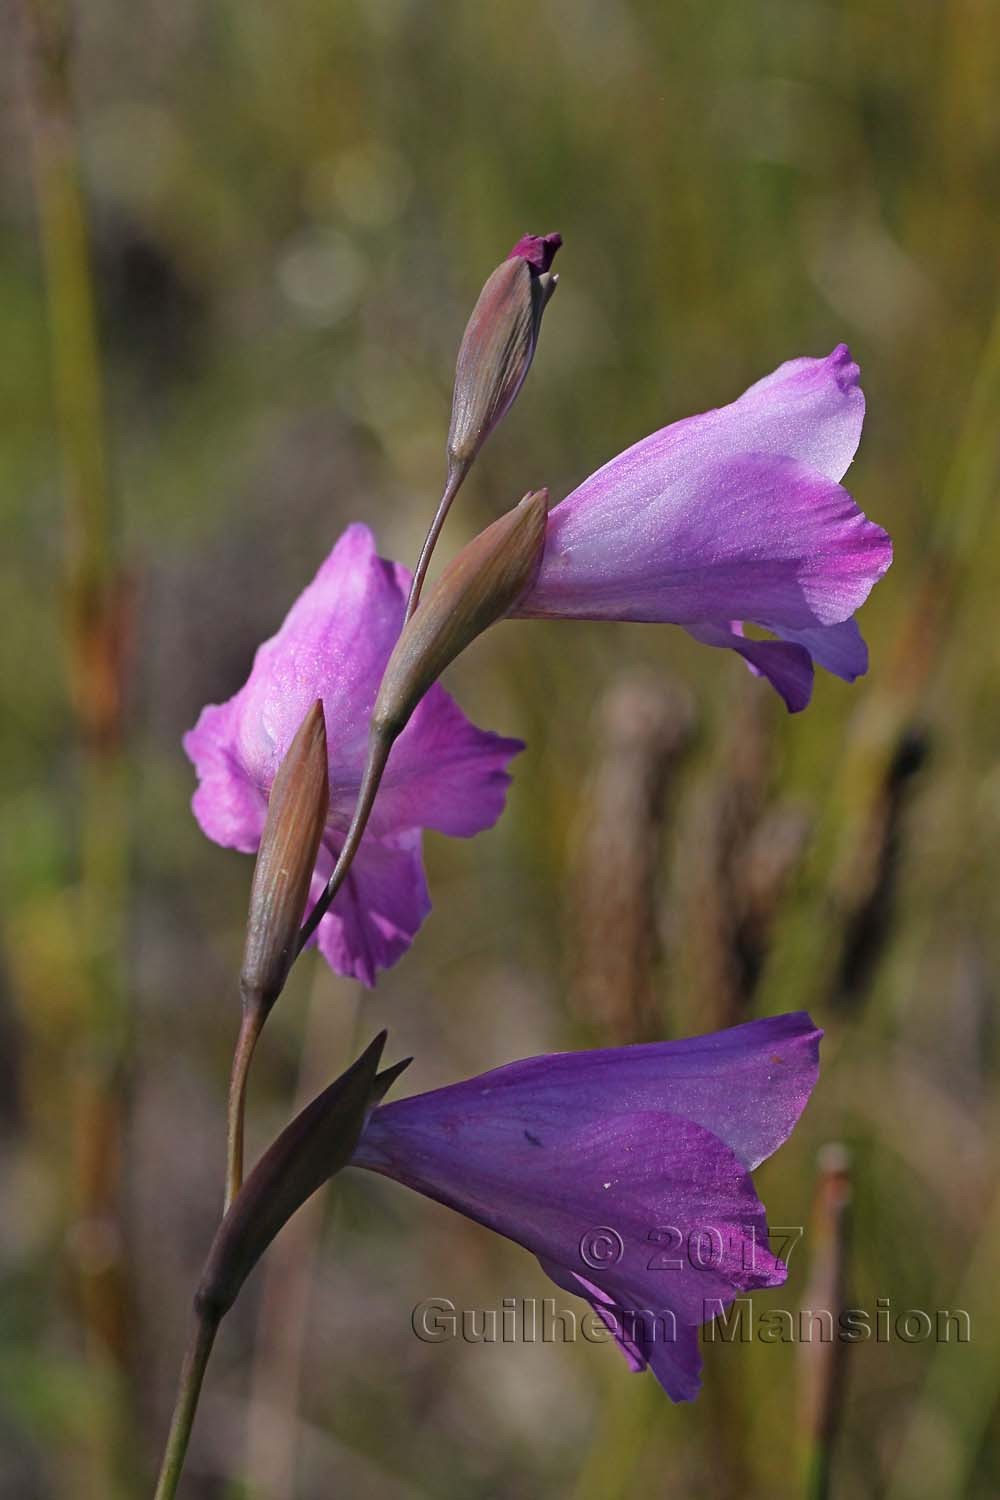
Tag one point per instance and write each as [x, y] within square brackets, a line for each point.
[625, 1171]
[731, 516]
[443, 772]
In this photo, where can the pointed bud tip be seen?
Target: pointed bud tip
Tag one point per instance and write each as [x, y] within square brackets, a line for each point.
[539, 250]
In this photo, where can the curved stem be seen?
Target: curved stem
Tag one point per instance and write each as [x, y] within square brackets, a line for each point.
[379, 746]
[456, 474]
[189, 1389]
[251, 1025]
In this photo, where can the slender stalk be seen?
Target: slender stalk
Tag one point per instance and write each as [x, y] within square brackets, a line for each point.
[188, 1391]
[379, 746]
[456, 474]
[251, 1025]
[289, 1273]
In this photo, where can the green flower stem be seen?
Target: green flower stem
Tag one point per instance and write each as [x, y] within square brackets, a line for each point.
[188, 1391]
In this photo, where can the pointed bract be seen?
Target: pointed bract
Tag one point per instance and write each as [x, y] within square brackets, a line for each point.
[318, 1143]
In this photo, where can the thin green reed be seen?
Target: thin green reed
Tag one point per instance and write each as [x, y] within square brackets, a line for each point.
[93, 603]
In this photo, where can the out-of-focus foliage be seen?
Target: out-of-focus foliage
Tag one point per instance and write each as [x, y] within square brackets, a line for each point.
[293, 208]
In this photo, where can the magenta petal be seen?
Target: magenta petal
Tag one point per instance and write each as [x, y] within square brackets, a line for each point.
[787, 667]
[751, 537]
[229, 806]
[378, 910]
[444, 772]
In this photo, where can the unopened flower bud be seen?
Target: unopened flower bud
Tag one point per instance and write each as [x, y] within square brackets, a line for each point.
[318, 1143]
[499, 344]
[479, 586]
[296, 816]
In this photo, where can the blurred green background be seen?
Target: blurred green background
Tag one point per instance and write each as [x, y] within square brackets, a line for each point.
[291, 210]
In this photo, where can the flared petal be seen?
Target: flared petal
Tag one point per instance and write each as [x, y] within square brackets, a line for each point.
[754, 536]
[378, 910]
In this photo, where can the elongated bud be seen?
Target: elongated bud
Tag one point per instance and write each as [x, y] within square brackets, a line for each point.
[499, 344]
[478, 587]
[296, 816]
[317, 1144]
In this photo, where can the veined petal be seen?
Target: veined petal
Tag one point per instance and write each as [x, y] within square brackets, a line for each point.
[378, 910]
[753, 536]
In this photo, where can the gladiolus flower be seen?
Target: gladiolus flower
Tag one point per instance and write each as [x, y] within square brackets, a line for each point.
[443, 772]
[731, 516]
[626, 1171]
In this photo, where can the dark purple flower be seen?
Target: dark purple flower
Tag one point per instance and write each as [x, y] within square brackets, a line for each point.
[627, 1172]
[731, 516]
[443, 772]
[539, 250]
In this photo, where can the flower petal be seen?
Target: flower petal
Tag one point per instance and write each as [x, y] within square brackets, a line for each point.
[675, 1361]
[377, 911]
[334, 643]
[229, 807]
[810, 409]
[841, 649]
[787, 667]
[748, 1085]
[655, 1213]
[687, 538]
[444, 772]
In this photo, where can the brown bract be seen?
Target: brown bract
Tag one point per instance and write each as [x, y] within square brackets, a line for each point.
[296, 817]
[479, 586]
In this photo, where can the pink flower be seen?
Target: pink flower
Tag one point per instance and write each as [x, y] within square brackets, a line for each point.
[731, 516]
[443, 773]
